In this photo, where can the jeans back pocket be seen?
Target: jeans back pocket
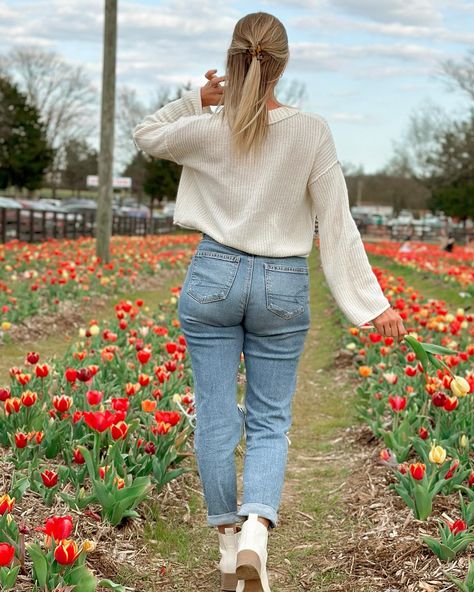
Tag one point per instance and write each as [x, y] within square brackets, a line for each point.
[286, 289]
[212, 275]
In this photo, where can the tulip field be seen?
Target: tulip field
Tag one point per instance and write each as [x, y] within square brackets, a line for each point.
[455, 267]
[88, 439]
[40, 278]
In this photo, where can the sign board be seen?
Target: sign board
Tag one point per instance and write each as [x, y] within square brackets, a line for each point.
[117, 182]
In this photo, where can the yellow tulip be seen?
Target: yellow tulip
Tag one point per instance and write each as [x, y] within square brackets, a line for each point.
[88, 546]
[464, 441]
[6, 325]
[94, 330]
[437, 454]
[459, 386]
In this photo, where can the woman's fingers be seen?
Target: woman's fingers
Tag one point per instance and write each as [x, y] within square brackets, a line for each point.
[210, 73]
[401, 329]
[394, 327]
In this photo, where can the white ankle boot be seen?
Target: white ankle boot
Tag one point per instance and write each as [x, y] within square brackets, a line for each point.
[228, 542]
[251, 565]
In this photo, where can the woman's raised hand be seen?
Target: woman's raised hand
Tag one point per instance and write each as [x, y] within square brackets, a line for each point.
[212, 91]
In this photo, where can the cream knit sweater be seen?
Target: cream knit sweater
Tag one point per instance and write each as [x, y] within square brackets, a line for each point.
[267, 206]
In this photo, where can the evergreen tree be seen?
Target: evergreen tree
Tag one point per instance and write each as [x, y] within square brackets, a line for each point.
[24, 150]
[81, 160]
[161, 178]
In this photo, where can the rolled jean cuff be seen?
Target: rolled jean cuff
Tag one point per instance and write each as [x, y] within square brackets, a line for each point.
[219, 519]
[262, 510]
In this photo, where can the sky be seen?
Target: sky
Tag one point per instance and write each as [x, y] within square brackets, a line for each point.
[366, 65]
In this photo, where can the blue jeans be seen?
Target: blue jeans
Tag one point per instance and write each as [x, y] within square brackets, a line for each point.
[232, 302]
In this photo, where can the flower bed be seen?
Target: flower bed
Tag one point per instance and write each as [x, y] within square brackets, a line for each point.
[418, 401]
[36, 279]
[457, 266]
[93, 433]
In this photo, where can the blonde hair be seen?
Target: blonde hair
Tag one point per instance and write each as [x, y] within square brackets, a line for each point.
[256, 58]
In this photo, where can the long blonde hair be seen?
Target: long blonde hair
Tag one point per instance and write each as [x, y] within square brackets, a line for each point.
[250, 80]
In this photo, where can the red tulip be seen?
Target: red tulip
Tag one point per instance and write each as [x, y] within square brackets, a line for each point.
[450, 403]
[76, 416]
[423, 433]
[4, 394]
[375, 337]
[78, 458]
[12, 405]
[70, 374]
[62, 403]
[32, 358]
[451, 469]
[132, 389]
[417, 470]
[42, 370]
[410, 370]
[66, 552]
[397, 403]
[171, 417]
[84, 374]
[6, 504]
[50, 478]
[103, 470]
[144, 379]
[102, 420]
[150, 448]
[457, 526]
[143, 356]
[438, 399]
[57, 527]
[119, 431]
[120, 404]
[21, 440]
[94, 397]
[29, 398]
[7, 553]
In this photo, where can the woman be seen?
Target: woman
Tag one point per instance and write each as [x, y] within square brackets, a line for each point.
[256, 174]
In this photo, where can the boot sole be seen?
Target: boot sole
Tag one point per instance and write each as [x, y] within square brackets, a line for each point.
[248, 569]
[228, 582]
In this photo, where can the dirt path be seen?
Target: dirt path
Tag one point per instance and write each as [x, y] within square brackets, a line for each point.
[311, 516]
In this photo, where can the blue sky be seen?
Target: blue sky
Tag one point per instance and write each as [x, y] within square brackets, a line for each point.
[366, 64]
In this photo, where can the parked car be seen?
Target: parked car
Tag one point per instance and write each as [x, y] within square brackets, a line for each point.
[135, 210]
[168, 208]
[8, 202]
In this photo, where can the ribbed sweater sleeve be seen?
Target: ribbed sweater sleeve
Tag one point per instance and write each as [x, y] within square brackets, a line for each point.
[344, 260]
[162, 134]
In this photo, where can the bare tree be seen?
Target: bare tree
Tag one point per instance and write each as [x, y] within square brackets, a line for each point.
[459, 75]
[412, 154]
[61, 91]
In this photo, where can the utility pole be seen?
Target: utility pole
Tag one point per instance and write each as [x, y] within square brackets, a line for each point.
[106, 156]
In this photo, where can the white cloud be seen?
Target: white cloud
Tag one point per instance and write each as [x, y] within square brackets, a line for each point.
[399, 11]
[396, 30]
